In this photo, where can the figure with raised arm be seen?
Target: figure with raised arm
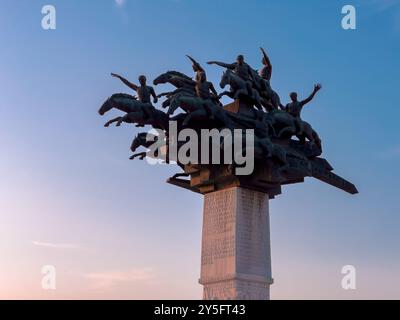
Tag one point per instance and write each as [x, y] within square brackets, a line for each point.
[204, 89]
[196, 67]
[241, 69]
[265, 73]
[294, 108]
[143, 91]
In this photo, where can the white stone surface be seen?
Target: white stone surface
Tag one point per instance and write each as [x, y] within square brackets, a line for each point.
[236, 254]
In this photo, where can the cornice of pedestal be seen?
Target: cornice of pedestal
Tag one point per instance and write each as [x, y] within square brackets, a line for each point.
[237, 276]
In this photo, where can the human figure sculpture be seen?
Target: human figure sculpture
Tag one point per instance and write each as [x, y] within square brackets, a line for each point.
[294, 108]
[265, 73]
[241, 69]
[144, 91]
[196, 67]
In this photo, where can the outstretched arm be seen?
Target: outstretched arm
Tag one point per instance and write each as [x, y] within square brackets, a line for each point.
[196, 65]
[126, 82]
[317, 87]
[223, 64]
[266, 58]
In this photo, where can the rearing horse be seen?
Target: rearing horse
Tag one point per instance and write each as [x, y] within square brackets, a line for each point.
[124, 102]
[136, 111]
[238, 87]
[184, 84]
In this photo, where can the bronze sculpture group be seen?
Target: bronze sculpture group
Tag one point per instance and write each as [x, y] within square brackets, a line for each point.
[280, 158]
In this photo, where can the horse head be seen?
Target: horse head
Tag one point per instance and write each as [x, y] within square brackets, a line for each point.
[167, 76]
[162, 78]
[138, 141]
[106, 106]
[121, 101]
[225, 79]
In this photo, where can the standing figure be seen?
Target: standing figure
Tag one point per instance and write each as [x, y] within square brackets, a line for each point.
[196, 67]
[265, 73]
[143, 91]
[240, 68]
[204, 89]
[294, 108]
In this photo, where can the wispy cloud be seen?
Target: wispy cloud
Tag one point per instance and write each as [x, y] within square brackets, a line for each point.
[112, 278]
[56, 245]
[120, 3]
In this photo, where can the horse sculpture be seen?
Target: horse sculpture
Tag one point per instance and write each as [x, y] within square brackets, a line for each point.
[197, 109]
[136, 112]
[285, 127]
[238, 88]
[184, 84]
[143, 139]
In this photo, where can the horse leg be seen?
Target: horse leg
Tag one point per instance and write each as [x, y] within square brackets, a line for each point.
[107, 124]
[172, 108]
[225, 93]
[128, 118]
[141, 156]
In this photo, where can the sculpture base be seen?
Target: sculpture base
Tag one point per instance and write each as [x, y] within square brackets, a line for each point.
[236, 255]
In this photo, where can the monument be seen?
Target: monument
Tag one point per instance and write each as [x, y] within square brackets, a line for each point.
[235, 254]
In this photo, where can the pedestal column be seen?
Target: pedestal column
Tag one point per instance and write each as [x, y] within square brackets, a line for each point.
[236, 254]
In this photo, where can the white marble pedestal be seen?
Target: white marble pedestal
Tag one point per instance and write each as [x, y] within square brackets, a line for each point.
[236, 254]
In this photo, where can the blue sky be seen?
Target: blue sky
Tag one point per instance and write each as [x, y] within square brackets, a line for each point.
[69, 196]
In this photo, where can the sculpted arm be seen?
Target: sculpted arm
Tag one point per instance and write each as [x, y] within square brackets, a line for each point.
[223, 64]
[126, 82]
[267, 60]
[196, 65]
[317, 87]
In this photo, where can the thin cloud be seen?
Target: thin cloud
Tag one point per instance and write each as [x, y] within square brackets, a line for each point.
[113, 278]
[55, 245]
[120, 3]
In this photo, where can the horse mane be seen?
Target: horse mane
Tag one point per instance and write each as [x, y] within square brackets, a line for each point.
[179, 74]
[124, 95]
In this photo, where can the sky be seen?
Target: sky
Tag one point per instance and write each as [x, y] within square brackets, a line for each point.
[112, 228]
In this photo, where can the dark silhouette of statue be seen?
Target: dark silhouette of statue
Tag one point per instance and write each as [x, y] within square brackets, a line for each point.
[294, 108]
[143, 91]
[279, 159]
[196, 67]
[241, 69]
[266, 71]
[204, 89]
